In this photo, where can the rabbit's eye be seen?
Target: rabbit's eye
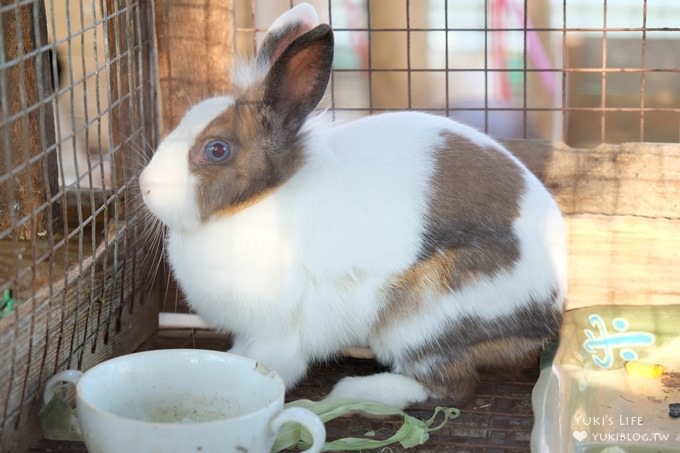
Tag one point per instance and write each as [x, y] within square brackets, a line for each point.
[216, 150]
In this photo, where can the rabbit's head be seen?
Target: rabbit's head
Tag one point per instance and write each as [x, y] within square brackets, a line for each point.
[229, 152]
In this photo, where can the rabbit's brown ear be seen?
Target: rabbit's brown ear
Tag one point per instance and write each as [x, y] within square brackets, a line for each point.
[284, 30]
[298, 79]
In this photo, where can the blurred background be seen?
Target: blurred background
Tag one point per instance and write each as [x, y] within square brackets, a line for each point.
[579, 71]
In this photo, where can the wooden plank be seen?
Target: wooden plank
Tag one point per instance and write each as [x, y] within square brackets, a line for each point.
[36, 262]
[195, 47]
[24, 193]
[636, 179]
[124, 102]
[623, 259]
[244, 26]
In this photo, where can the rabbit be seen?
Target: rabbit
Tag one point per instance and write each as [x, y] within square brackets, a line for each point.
[405, 232]
[77, 167]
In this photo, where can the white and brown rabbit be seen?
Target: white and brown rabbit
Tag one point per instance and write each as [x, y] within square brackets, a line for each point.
[417, 236]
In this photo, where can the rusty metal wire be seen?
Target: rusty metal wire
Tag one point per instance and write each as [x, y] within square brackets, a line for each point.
[608, 64]
[76, 95]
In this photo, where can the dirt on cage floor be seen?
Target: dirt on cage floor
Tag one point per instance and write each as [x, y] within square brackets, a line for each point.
[497, 420]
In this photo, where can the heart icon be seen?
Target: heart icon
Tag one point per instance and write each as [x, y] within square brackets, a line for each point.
[580, 435]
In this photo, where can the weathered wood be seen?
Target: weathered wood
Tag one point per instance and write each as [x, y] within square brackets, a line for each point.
[29, 265]
[25, 136]
[622, 207]
[623, 259]
[195, 46]
[124, 101]
[244, 31]
[636, 179]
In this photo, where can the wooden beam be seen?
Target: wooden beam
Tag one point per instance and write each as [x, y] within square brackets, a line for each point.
[635, 179]
[25, 136]
[195, 45]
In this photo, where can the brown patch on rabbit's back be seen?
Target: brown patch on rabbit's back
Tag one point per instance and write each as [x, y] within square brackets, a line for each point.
[469, 233]
[260, 163]
[476, 191]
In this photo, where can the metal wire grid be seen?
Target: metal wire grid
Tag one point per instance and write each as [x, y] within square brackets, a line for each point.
[592, 50]
[69, 251]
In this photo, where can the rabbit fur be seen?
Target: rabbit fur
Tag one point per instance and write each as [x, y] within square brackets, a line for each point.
[409, 233]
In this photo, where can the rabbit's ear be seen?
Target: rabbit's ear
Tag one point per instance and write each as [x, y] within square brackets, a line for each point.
[298, 79]
[284, 30]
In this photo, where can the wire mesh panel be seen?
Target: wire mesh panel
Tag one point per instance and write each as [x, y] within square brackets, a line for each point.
[76, 93]
[579, 71]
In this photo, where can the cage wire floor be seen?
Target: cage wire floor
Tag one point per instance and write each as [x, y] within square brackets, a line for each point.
[497, 420]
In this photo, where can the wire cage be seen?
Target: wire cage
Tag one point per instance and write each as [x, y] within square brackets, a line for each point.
[78, 108]
[78, 90]
[576, 71]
